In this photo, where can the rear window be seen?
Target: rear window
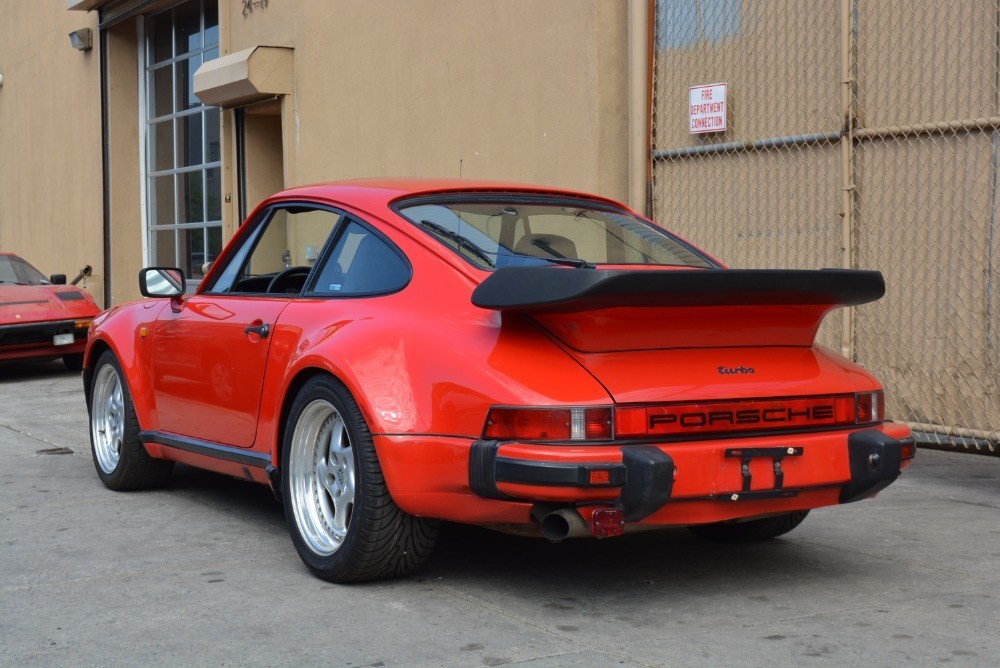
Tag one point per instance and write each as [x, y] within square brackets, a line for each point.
[493, 232]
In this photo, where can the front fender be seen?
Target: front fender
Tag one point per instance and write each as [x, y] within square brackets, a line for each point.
[121, 330]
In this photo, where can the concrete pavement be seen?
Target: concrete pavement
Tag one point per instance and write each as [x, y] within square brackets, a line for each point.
[203, 573]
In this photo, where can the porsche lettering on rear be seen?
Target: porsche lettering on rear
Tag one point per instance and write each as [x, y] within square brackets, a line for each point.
[698, 419]
[387, 354]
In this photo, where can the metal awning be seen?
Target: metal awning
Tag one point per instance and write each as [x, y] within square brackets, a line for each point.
[245, 77]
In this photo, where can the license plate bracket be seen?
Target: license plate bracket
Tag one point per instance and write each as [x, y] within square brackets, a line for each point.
[776, 455]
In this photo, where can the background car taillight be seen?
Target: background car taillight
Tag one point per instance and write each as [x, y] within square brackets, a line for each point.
[548, 424]
[869, 406]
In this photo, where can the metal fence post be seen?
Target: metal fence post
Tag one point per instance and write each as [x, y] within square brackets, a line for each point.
[847, 186]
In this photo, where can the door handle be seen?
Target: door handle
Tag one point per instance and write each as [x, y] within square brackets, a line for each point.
[260, 330]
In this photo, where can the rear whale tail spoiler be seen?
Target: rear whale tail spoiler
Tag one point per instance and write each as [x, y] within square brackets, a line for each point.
[595, 310]
[565, 290]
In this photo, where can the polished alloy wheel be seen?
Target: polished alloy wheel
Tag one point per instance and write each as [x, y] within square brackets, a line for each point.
[107, 420]
[321, 474]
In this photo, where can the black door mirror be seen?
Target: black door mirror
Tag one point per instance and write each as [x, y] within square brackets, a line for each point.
[161, 282]
[57, 279]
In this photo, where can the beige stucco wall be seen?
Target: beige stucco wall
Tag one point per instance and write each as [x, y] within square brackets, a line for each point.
[50, 141]
[125, 208]
[498, 89]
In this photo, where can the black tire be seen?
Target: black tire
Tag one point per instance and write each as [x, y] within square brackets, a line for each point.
[120, 458]
[751, 531]
[73, 362]
[378, 540]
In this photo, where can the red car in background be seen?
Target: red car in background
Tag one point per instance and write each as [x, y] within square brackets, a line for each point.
[42, 318]
[386, 354]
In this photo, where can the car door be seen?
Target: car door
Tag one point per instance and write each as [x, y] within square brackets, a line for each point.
[210, 350]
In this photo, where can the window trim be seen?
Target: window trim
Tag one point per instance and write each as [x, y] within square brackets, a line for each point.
[515, 197]
[250, 234]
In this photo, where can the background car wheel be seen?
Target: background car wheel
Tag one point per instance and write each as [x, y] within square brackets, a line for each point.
[754, 530]
[73, 362]
[119, 457]
[343, 522]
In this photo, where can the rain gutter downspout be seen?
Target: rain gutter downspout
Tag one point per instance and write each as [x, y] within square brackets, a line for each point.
[638, 117]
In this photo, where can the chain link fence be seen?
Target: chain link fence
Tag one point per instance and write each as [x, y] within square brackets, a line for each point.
[863, 134]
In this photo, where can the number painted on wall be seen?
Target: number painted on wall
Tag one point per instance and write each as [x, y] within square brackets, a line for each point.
[250, 5]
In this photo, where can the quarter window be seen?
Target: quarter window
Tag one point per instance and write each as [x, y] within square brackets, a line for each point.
[361, 264]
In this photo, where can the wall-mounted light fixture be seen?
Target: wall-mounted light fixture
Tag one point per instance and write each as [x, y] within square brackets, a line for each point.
[82, 39]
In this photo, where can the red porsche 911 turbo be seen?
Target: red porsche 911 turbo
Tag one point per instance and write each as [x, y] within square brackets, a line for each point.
[386, 354]
[41, 318]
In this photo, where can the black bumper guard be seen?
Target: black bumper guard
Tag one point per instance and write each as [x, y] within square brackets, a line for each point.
[875, 461]
[646, 474]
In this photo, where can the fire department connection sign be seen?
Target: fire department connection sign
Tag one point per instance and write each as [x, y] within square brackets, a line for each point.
[707, 109]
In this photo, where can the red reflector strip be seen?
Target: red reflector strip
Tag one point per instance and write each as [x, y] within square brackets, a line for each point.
[600, 477]
[908, 451]
[734, 416]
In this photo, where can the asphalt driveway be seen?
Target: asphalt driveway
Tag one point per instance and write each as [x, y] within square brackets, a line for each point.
[203, 573]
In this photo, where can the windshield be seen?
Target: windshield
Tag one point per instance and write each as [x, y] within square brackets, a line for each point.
[15, 270]
[496, 231]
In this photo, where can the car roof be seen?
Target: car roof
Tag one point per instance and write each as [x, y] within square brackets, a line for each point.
[382, 191]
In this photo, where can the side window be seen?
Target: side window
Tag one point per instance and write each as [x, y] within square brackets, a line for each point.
[7, 273]
[279, 256]
[360, 263]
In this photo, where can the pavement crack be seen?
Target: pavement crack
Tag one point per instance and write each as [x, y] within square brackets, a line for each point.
[975, 503]
[23, 432]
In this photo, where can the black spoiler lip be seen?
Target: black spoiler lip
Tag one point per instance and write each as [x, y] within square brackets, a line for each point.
[562, 289]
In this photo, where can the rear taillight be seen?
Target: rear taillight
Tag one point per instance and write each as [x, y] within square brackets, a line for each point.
[869, 406]
[684, 419]
[548, 424]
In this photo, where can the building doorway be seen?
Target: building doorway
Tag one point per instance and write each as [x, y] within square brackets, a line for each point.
[259, 154]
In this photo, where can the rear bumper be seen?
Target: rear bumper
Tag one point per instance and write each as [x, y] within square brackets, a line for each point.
[663, 484]
[644, 477]
[34, 340]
